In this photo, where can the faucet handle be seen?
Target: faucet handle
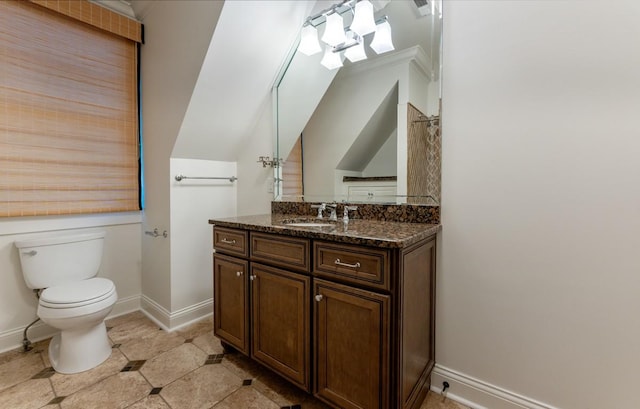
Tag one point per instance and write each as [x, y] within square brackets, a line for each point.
[333, 208]
[321, 207]
[345, 218]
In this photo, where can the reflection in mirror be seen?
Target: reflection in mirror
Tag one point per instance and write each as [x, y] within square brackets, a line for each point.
[368, 131]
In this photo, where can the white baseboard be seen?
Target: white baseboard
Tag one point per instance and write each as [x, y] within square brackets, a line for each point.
[12, 339]
[156, 312]
[171, 321]
[478, 394]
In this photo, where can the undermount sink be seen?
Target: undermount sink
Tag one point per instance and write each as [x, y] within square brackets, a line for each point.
[309, 224]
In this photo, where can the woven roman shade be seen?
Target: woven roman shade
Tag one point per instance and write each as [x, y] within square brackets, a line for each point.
[68, 115]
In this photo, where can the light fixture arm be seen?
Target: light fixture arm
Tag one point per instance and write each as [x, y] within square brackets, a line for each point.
[357, 38]
[339, 8]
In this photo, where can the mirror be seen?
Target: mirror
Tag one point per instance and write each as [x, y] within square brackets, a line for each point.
[368, 131]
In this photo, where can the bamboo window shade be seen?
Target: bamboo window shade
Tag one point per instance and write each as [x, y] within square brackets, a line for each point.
[68, 115]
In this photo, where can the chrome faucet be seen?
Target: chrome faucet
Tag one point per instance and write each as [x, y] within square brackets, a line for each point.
[321, 207]
[333, 216]
[345, 217]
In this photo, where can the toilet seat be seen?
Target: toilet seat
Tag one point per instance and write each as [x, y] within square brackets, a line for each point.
[77, 294]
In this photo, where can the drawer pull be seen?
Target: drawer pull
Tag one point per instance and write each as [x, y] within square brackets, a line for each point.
[339, 263]
[238, 273]
[319, 297]
[225, 240]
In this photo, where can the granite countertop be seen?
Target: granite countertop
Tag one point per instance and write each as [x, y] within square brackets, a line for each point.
[358, 231]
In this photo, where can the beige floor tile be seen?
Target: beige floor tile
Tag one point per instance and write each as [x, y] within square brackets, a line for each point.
[13, 354]
[244, 367]
[117, 391]
[149, 402]
[278, 390]
[122, 319]
[65, 385]
[133, 329]
[19, 369]
[197, 328]
[171, 365]
[246, 398]
[33, 393]
[209, 343]
[201, 388]
[150, 345]
[436, 401]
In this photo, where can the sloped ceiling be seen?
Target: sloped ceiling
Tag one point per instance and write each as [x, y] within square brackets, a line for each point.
[249, 44]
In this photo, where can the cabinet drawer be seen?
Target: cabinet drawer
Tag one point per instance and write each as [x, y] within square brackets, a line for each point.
[279, 250]
[230, 241]
[353, 264]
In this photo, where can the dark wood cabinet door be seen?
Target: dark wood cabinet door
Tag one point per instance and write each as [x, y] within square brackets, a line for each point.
[351, 352]
[280, 322]
[230, 301]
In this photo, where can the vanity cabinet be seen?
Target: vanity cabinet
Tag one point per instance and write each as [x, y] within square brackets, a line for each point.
[280, 322]
[231, 300]
[351, 323]
[261, 310]
[351, 351]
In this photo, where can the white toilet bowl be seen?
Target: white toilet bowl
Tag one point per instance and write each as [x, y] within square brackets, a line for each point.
[78, 309]
[72, 298]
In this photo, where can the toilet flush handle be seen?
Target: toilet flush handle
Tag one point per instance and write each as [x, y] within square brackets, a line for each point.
[30, 253]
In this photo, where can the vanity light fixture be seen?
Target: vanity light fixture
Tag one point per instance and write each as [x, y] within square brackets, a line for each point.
[356, 52]
[382, 40]
[309, 41]
[334, 31]
[363, 21]
[330, 59]
[349, 40]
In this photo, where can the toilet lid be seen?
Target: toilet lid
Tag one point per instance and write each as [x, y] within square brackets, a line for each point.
[77, 293]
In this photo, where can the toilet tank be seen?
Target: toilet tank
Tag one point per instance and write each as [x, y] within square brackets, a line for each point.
[54, 260]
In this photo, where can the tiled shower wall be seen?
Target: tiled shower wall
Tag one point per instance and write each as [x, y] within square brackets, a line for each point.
[424, 146]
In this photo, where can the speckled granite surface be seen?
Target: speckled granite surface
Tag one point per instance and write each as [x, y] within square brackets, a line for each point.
[376, 233]
[393, 213]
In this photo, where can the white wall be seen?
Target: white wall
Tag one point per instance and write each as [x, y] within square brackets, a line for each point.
[345, 110]
[384, 161]
[193, 203]
[177, 36]
[539, 274]
[120, 263]
[255, 183]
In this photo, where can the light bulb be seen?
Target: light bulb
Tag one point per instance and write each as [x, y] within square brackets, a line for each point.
[334, 30]
[330, 59]
[363, 21]
[309, 41]
[382, 40]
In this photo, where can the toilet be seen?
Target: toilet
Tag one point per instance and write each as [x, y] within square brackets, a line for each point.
[73, 300]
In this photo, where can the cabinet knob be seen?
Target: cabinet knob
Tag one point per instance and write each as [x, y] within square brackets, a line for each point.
[319, 297]
[252, 277]
[239, 273]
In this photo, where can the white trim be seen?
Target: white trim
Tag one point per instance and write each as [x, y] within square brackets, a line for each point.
[171, 321]
[156, 312]
[412, 54]
[36, 224]
[478, 394]
[191, 314]
[12, 339]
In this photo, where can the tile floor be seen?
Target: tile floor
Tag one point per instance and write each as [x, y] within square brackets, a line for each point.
[150, 368]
